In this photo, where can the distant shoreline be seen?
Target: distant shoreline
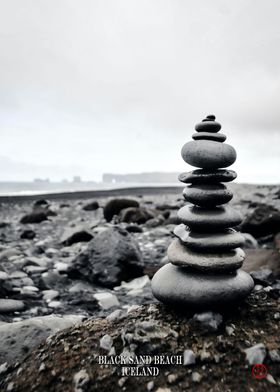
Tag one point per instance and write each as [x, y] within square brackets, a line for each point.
[133, 191]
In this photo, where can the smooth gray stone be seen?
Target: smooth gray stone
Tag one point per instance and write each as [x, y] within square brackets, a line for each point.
[208, 154]
[184, 289]
[208, 126]
[200, 176]
[202, 219]
[179, 254]
[229, 239]
[218, 137]
[207, 195]
[10, 305]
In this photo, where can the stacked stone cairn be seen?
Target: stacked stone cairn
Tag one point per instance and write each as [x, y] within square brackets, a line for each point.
[206, 255]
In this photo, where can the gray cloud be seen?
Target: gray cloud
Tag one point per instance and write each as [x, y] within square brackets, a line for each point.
[118, 85]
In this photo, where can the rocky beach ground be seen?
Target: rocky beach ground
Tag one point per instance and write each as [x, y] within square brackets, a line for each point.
[85, 264]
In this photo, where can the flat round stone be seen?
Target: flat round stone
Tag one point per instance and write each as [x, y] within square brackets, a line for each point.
[218, 137]
[201, 176]
[208, 154]
[209, 242]
[208, 195]
[208, 126]
[10, 305]
[179, 254]
[186, 289]
[202, 219]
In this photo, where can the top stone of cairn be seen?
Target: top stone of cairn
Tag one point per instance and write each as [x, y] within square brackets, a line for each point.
[208, 125]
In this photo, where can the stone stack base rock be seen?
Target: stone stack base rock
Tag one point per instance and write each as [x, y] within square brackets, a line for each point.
[206, 257]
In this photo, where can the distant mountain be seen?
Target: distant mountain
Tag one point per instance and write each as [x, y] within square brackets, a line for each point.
[148, 177]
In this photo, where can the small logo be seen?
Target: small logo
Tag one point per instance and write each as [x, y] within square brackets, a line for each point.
[259, 371]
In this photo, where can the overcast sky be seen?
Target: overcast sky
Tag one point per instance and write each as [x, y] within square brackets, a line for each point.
[93, 86]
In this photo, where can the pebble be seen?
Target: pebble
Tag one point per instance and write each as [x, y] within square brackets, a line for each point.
[106, 300]
[3, 275]
[208, 195]
[207, 154]
[137, 283]
[54, 304]
[150, 385]
[229, 239]
[255, 354]
[274, 355]
[217, 218]
[171, 378]
[10, 305]
[117, 314]
[106, 342]
[271, 379]
[229, 330]
[180, 255]
[49, 295]
[189, 357]
[217, 137]
[208, 321]
[208, 126]
[3, 367]
[196, 377]
[80, 380]
[201, 176]
[263, 276]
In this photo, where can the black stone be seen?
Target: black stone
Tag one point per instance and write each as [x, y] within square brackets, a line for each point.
[202, 176]
[112, 256]
[208, 195]
[202, 219]
[92, 206]
[207, 154]
[114, 206]
[217, 137]
[209, 242]
[208, 126]
[184, 289]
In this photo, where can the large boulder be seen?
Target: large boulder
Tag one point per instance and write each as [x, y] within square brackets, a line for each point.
[178, 354]
[114, 206]
[19, 338]
[264, 220]
[112, 255]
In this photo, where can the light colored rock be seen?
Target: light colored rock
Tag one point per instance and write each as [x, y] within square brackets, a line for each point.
[209, 321]
[10, 305]
[80, 381]
[106, 342]
[49, 295]
[18, 338]
[137, 283]
[106, 300]
[255, 354]
[189, 357]
[196, 377]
